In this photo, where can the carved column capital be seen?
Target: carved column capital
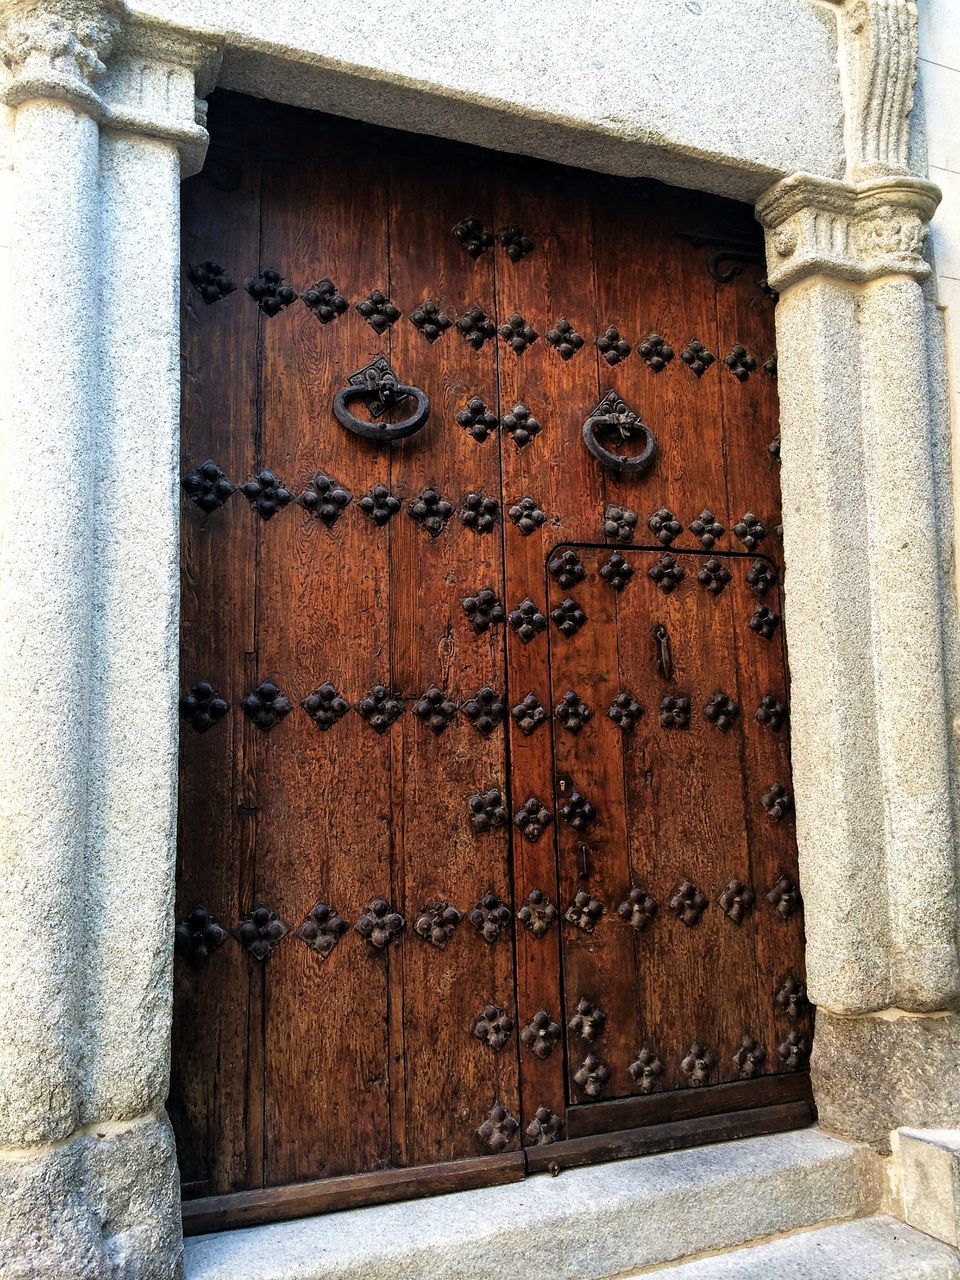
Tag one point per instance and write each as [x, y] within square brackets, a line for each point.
[819, 226]
[58, 49]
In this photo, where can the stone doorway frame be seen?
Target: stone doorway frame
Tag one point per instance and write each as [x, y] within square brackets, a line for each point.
[106, 116]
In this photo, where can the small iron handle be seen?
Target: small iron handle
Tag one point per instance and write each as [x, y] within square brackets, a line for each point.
[582, 852]
[664, 656]
[380, 389]
[629, 427]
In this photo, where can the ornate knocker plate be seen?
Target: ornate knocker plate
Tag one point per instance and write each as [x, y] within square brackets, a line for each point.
[612, 417]
[380, 389]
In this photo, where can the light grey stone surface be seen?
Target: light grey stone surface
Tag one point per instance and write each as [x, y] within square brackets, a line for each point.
[584, 1224]
[927, 1165]
[878, 1248]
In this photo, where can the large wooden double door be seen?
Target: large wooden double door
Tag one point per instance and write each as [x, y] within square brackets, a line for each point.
[486, 836]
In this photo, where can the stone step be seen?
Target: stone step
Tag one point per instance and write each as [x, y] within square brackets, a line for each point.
[877, 1248]
[585, 1224]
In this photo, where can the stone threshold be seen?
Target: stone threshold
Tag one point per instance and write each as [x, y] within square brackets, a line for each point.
[585, 1224]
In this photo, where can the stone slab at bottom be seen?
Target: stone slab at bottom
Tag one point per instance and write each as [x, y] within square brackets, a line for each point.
[878, 1248]
[585, 1224]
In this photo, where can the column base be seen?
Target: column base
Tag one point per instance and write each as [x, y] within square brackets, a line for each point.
[104, 1205]
[877, 1072]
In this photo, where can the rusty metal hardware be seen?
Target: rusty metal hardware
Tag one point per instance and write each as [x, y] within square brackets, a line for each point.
[612, 417]
[209, 486]
[646, 1071]
[592, 1076]
[588, 1020]
[545, 1127]
[538, 913]
[698, 1064]
[322, 929]
[259, 931]
[202, 706]
[749, 1057]
[541, 1034]
[664, 656]
[380, 389]
[584, 911]
[582, 854]
[497, 1131]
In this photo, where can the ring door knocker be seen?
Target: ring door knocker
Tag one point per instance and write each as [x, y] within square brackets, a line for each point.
[613, 417]
[380, 389]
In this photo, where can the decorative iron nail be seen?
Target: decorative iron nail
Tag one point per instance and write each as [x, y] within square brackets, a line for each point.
[380, 924]
[322, 929]
[260, 931]
[564, 338]
[646, 1071]
[490, 917]
[770, 712]
[571, 712]
[688, 904]
[616, 572]
[483, 609]
[378, 311]
[638, 909]
[518, 334]
[436, 922]
[325, 498]
[484, 711]
[714, 575]
[665, 526]
[538, 913]
[532, 818]
[266, 705]
[435, 709]
[494, 1027]
[722, 711]
[270, 293]
[208, 486]
[577, 811]
[473, 235]
[210, 280]
[592, 1076]
[325, 300]
[266, 494]
[529, 713]
[487, 810]
[588, 1020]
[198, 935]
[764, 622]
[584, 911]
[480, 513]
[736, 900]
[750, 531]
[541, 1034]
[674, 711]
[768, 291]
[379, 504]
[545, 1127]
[655, 352]
[619, 524]
[794, 1051]
[770, 366]
[202, 706]
[773, 448]
[625, 711]
[706, 529]
[749, 1057]
[777, 801]
[520, 425]
[567, 568]
[429, 320]
[666, 573]
[612, 346]
[568, 617]
[696, 357]
[380, 707]
[527, 516]
[698, 1064]
[761, 576]
[430, 511]
[498, 1129]
[527, 620]
[740, 363]
[476, 419]
[325, 706]
[476, 327]
[784, 897]
[791, 999]
[515, 244]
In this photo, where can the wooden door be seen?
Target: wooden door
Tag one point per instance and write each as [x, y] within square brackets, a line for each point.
[381, 942]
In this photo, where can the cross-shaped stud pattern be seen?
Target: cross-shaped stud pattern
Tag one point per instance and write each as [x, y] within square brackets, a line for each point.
[625, 711]
[688, 904]
[784, 897]
[325, 498]
[480, 513]
[545, 1127]
[764, 622]
[518, 334]
[493, 1027]
[265, 705]
[497, 1131]
[520, 425]
[476, 327]
[770, 366]
[210, 280]
[588, 1020]
[571, 713]
[435, 709]
[584, 911]
[514, 242]
[696, 357]
[568, 617]
[527, 620]
[706, 529]
[541, 1034]
[476, 419]
[740, 363]
[638, 909]
[322, 929]
[777, 801]
[484, 711]
[270, 293]
[379, 505]
[616, 571]
[483, 610]
[538, 913]
[791, 999]
[378, 311]
[674, 711]
[198, 936]
[749, 1057]
[380, 924]
[794, 1051]
[208, 486]
[722, 711]
[325, 706]
[430, 511]
[750, 531]
[665, 526]
[473, 235]
[527, 516]
[436, 922]
[656, 352]
[429, 320]
[771, 713]
[325, 300]
[592, 1076]
[202, 706]
[487, 810]
[260, 931]
[761, 576]
[666, 573]
[714, 576]
[490, 917]
[267, 494]
[532, 818]
[646, 1070]
[529, 713]
[578, 811]
[619, 524]
[612, 346]
[698, 1063]
[736, 900]
[564, 339]
[380, 707]
[566, 568]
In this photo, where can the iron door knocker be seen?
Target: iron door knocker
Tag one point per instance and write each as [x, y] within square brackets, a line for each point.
[613, 416]
[380, 389]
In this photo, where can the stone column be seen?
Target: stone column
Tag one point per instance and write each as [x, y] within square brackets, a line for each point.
[104, 115]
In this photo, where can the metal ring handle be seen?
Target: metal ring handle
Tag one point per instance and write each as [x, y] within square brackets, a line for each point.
[380, 389]
[629, 426]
